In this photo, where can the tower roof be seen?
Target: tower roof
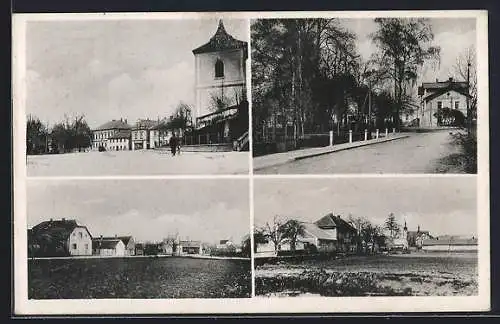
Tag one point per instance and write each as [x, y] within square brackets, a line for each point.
[220, 41]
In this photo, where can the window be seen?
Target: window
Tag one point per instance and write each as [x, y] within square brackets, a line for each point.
[74, 234]
[457, 104]
[440, 105]
[219, 69]
[86, 246]
[73, 246]
[80, 234]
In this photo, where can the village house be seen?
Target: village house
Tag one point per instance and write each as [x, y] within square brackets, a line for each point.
[450, 244]
[102, 134]
[60, 238]
[120, 141]
[329, 234]
[159, 134]
[189, 247]
[139, 249]
[128, 242]
[108, 247]
[435, 96]
[141, 134]
[416, 238]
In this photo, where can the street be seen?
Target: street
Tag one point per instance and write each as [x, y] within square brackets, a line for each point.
[143, 162]
[419, 153]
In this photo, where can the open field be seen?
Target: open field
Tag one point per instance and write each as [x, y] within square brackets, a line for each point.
[436, 274]
[141, 162]
[173, 277]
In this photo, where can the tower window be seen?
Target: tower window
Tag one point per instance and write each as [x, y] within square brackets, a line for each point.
[219, 69]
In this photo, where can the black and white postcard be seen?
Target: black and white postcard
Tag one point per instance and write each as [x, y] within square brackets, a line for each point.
[135, 97]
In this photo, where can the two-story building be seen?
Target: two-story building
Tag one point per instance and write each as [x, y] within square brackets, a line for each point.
[108, 135]
[435, 96]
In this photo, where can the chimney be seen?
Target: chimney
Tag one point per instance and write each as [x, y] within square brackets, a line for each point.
[126, 121]
[63, 219]
[116, 236]
[418, 229]
[450, 79]
[51, 220]
[437, 80]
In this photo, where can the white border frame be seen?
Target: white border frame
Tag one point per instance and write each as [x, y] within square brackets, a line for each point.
[23, 306]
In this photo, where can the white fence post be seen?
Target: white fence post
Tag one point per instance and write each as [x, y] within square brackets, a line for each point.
[376, 133]
[393, 130]
[350, 136]
[331, 138]
[366, 134]
[386, 132]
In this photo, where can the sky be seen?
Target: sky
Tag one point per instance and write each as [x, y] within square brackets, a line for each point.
[439, 205]
[204, 209]
[112, 69]
[453, 35]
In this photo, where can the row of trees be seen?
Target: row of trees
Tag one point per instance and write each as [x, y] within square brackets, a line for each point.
[64, 136]
[307, 75]
[75, 134]
[367, 233]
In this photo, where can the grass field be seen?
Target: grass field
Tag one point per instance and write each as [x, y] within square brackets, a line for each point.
[408, 275]
[143, 162]
[171, 277]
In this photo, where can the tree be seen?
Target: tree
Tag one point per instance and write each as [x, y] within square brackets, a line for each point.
[219, 102]
[465, 69]
[392, 226]
[258, 238]
[403, 46]
[369, 233]
[292, 229]
[181, 118]
[274, 232]
[36, 135]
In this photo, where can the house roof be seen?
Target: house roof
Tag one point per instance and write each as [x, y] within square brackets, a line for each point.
[439, 92]
[450, 241]
[102, 243]
[321, 234]
[121, 134]
[190, 243]
[220, 41]
[331, 221]
[114, 124]
[60, 229]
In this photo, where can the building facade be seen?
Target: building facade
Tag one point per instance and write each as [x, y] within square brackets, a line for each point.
[102, 135]
[108, 247]
[435, 96]
[220, 72]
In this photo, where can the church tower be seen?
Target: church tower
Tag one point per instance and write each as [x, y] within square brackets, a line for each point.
[220, 72]
[405, 236]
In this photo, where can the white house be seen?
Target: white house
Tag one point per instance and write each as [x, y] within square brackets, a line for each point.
[438, 95]
[108, 247]
[74, 239]
[102, 134]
